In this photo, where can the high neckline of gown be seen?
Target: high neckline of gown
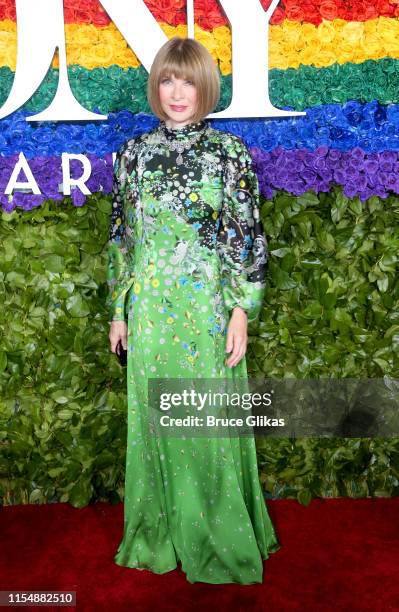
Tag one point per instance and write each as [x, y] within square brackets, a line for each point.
[182, 133]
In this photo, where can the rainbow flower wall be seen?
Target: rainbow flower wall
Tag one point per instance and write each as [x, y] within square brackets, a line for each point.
[336, 60]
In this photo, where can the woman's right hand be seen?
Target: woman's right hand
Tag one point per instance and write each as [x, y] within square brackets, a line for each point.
[118, 331]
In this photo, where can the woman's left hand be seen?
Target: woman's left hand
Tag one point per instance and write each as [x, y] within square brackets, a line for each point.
[237, 338]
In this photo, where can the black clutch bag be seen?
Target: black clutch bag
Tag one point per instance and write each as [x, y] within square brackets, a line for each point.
[121, 353]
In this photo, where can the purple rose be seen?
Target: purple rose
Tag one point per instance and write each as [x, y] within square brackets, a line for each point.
[371, 166]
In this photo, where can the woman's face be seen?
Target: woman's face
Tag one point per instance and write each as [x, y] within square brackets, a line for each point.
[178, 99]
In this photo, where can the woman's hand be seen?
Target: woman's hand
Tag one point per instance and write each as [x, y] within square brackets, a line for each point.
[118, 331]
[237, 336]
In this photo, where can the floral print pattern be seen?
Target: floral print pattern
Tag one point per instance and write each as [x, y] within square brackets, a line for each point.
[215, 196]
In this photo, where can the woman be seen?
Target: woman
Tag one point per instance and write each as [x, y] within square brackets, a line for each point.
[186, 267]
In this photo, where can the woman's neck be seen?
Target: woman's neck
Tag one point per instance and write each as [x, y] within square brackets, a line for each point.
[175, 125]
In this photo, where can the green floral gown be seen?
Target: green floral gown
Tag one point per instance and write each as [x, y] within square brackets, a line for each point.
[186, 246]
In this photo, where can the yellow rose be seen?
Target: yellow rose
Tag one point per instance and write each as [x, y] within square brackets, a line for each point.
[100, 56]
[324, 58]
[387, 29]
[127, 59]
[207, 39]
[224, 53]
[8, 49]
[326, 32]
[309, 30]
[81, 34]
[181, 30]
[291, 31]
[352, 32]
[225, 68]
[370, 26]
[222, 34]
[276, 34]
[8, 25]
[345, 50]
[277, 60]
[168, 29]
[307, 55]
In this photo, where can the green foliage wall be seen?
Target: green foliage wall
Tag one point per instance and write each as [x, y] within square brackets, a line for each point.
[331, 309]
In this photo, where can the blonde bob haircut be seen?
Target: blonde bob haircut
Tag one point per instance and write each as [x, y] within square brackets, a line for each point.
[185, 58]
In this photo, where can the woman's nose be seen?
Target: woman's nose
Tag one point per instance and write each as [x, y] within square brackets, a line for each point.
[177, 92]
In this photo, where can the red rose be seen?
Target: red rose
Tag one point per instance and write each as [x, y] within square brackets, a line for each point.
[8, 10]
[102, 18]
[328, 9]
[294, 12]
[278, 16]
[385, 8]
[266, 3]
[370, 12]
[168, 11]
[84, 15]
[69, 15]
[313, 16]
[87, 6]
[209, 14]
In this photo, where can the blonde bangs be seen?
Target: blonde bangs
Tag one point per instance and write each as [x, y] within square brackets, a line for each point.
[185, 58]
[181, 69]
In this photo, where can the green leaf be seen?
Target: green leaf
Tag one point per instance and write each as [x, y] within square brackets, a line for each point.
[77, 306]
[81, 492]
[356, 206]
[54, 263]
[311, 263]
[3, 361]
[280, 252]
[282, 279]
[304, 497]
[65, 414]
[61, 396]
[383, 283]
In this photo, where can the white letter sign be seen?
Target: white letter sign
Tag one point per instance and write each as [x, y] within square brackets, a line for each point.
[41, 32]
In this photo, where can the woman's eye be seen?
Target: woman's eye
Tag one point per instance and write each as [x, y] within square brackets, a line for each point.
[189, 82]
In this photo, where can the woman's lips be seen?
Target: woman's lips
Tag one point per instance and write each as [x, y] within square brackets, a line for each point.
[178, 108]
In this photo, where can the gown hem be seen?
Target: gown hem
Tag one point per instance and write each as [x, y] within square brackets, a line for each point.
[264, 556]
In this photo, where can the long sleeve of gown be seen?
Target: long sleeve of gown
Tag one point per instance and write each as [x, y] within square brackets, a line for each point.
[241, 242]
[119, 275]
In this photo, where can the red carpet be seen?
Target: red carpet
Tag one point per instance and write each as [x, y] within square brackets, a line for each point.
[337, 554]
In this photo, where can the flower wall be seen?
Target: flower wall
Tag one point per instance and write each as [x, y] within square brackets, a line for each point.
[329, 182]
[335, 60]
